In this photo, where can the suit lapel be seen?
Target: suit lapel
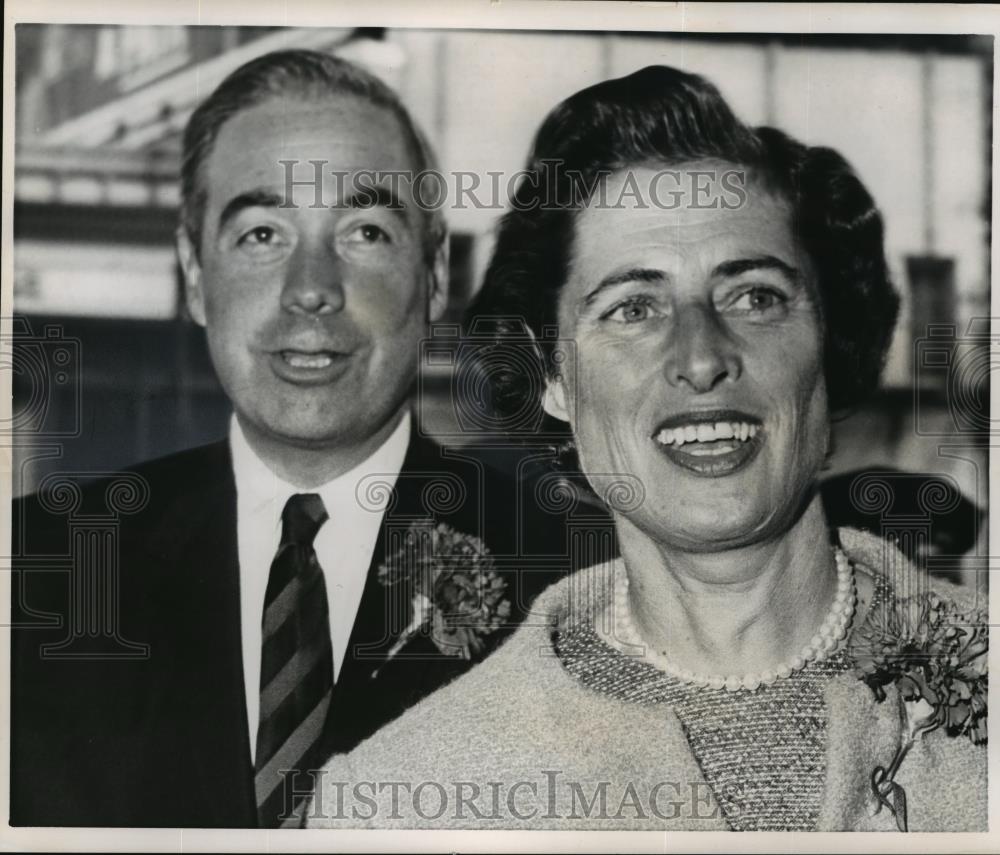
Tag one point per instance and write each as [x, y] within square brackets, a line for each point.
[370, 691]
[203, 693]
[382, 613]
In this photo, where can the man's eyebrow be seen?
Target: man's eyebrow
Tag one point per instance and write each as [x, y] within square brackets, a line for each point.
[258, 198]
[376, 196]
[633, 274]
[739, 266]
[361, 199]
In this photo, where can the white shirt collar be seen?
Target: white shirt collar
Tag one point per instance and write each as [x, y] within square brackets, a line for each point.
[257, 485]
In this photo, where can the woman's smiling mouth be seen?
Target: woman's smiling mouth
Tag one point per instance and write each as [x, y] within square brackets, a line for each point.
[710, 444]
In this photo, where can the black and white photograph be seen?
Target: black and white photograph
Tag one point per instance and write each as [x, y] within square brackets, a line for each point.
[466, 419]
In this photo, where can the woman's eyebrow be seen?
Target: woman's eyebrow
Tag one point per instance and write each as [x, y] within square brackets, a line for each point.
[633, 274]
[739, 266]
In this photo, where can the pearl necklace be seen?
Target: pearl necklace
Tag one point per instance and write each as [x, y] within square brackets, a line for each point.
[820, 646]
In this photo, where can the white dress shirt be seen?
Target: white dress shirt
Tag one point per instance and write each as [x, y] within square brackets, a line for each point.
[344, 545]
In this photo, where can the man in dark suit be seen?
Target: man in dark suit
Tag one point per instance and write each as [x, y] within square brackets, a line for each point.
[250, 625]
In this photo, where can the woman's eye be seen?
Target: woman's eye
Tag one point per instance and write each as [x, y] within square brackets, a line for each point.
[630, 312]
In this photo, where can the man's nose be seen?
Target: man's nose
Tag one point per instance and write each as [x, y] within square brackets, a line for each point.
[313, 280]
[702, 353]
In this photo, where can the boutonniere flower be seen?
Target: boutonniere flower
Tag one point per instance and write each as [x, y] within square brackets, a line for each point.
[936, 656]
[457, 597]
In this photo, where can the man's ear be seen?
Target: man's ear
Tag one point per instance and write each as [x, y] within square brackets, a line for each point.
[437, 294]
[191, 268]
[554, 398]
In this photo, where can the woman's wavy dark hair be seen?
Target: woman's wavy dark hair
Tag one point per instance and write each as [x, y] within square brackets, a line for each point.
[662, 115]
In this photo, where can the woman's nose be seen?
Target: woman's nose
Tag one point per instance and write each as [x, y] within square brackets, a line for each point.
[313, 281]
[702, 353]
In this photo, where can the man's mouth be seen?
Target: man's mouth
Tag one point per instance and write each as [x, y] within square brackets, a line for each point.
[300, 359]
[711, 443]
[308, 367]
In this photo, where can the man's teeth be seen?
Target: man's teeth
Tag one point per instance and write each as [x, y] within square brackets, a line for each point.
[307, 360]
[706, 433]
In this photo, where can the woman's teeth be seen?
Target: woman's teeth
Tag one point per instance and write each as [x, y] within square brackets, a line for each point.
[706, 433]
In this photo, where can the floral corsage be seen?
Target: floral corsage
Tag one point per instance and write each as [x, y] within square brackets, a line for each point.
[457, 597]
[937, 657]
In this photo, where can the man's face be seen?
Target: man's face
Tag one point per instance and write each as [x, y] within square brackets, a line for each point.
[698, 365]
[313, 312]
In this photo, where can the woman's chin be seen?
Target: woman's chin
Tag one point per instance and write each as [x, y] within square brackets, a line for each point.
[701, 532]
[693, 526]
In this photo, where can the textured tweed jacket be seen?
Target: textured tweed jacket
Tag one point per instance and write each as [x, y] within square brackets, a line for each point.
[519, 743]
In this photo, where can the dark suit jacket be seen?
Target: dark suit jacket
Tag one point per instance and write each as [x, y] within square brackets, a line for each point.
[135, 713]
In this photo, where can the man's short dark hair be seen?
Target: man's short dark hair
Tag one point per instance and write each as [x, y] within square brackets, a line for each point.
[290, 73]
[664, 116]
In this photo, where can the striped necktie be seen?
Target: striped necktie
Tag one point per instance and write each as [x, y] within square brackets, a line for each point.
[296, 669]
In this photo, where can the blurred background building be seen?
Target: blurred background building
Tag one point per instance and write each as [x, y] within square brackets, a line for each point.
[109, 370]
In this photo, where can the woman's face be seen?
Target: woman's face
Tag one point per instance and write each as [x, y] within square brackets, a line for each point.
[698, 358]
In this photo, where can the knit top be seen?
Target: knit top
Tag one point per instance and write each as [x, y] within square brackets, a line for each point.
[522, 742]
[761, 752]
